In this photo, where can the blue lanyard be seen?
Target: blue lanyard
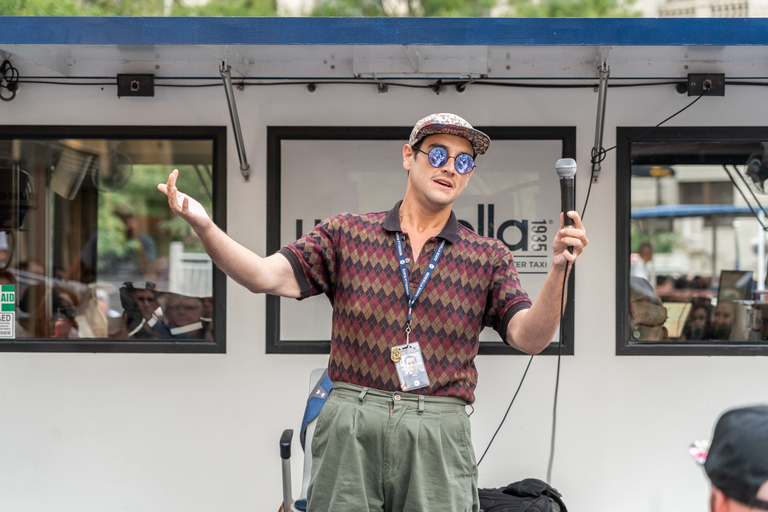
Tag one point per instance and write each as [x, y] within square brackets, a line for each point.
[404, 272]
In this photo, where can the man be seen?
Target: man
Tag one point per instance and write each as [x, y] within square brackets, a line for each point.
[405, 281]
[647, 313]
[737, 461]
[639, 267]
[722, 321]
[182, 314]
[134, 259]
[139, 305]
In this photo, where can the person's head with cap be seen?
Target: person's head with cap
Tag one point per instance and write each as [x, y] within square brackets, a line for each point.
[450, 124]
[737, 460]
[441, 149]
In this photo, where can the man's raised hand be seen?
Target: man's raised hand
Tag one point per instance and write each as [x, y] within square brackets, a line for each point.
[188, 208]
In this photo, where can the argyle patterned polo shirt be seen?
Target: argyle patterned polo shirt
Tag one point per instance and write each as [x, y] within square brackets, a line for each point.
[352, 259]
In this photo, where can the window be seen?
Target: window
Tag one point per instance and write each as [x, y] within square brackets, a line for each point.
[92, 257]
[513, 196]
[691, 241]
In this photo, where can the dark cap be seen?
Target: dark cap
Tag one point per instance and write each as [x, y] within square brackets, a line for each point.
[737, 462]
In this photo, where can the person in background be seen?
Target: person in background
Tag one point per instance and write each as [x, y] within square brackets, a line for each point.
[647, 313]
[697, 323]
[736, 461]
[103, 259]
[639, 267]
[140, 309]
[183, 316]
[5, 254]
[722, 321]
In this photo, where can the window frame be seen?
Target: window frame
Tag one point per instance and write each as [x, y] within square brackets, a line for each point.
[216, 134]
[275, 134]
[625, 136]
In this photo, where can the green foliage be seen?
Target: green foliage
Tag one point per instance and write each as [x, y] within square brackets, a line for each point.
[662, 242]
[227, 8]
[350, 8]
[135, 8]
[436, 8]
[573, 9]
[41, 8]
[432, 8]
[457, 8]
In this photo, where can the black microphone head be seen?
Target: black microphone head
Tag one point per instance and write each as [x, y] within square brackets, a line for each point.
[566, 168]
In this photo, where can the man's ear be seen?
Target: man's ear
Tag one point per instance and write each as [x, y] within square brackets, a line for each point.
[408, 155]
[718, 502]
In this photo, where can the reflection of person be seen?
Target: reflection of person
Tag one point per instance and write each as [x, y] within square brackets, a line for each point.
[65, 309]
[736, 461]
[133, 261]
[639, 267]
[647, 313]
[139, 316]
[697, 322]
[5, 254]
[722, 320]
[182, 314]
[474, 284]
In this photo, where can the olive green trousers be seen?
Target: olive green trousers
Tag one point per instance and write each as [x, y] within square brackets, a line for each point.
[392, 452]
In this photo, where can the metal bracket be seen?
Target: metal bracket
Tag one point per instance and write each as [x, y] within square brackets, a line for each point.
[226, 75]
[597, 151]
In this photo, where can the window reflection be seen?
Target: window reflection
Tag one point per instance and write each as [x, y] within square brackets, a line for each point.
[90, 247]
[697, 267]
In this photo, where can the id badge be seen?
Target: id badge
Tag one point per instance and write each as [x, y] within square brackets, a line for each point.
[410, 367]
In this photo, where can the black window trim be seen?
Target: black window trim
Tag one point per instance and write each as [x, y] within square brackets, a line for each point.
[276, 134]
[218, 134]
[625, 136]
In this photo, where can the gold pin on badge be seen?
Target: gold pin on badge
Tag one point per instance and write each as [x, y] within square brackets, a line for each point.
[396, 354]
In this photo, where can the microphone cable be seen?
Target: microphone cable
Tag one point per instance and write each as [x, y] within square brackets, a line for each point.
[597, 156]
[557, 373]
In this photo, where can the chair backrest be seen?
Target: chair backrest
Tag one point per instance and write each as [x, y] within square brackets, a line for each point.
[314, 379]
[189, 273]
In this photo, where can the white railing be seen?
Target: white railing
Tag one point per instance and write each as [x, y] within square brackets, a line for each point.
[189, 273]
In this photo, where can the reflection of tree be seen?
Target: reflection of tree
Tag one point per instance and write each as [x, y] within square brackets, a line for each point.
[151, 209]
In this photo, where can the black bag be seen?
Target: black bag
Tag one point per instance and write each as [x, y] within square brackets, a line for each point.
[529, 495]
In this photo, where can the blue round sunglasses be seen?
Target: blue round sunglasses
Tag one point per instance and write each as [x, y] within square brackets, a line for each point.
[438, 157]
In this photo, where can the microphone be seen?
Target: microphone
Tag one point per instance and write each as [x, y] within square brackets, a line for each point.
[566, 170]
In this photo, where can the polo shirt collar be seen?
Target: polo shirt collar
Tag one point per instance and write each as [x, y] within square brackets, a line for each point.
[449, 232]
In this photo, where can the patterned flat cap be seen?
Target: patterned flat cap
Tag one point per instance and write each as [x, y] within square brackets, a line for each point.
[452, 125]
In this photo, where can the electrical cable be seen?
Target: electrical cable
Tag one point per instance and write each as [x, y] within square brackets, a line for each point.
[744, 197]
[10, 75]
[601, 153]
[506, 413]
[557, 377]
[752, 192]
[435, 86]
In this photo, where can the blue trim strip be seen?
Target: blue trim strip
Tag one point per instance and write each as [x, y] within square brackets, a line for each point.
[689, 210]
[385, 31]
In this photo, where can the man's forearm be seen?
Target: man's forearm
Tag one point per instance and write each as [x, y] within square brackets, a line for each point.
[532, 330]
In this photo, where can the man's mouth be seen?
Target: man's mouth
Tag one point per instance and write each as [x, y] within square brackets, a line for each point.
[444, 182]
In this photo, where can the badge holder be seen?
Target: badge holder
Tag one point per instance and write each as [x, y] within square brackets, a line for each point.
[410, 366]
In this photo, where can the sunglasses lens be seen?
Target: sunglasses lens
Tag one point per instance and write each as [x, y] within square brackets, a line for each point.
[464, 163]
[438, 157]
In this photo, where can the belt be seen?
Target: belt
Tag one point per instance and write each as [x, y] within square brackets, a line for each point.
[421, 402]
